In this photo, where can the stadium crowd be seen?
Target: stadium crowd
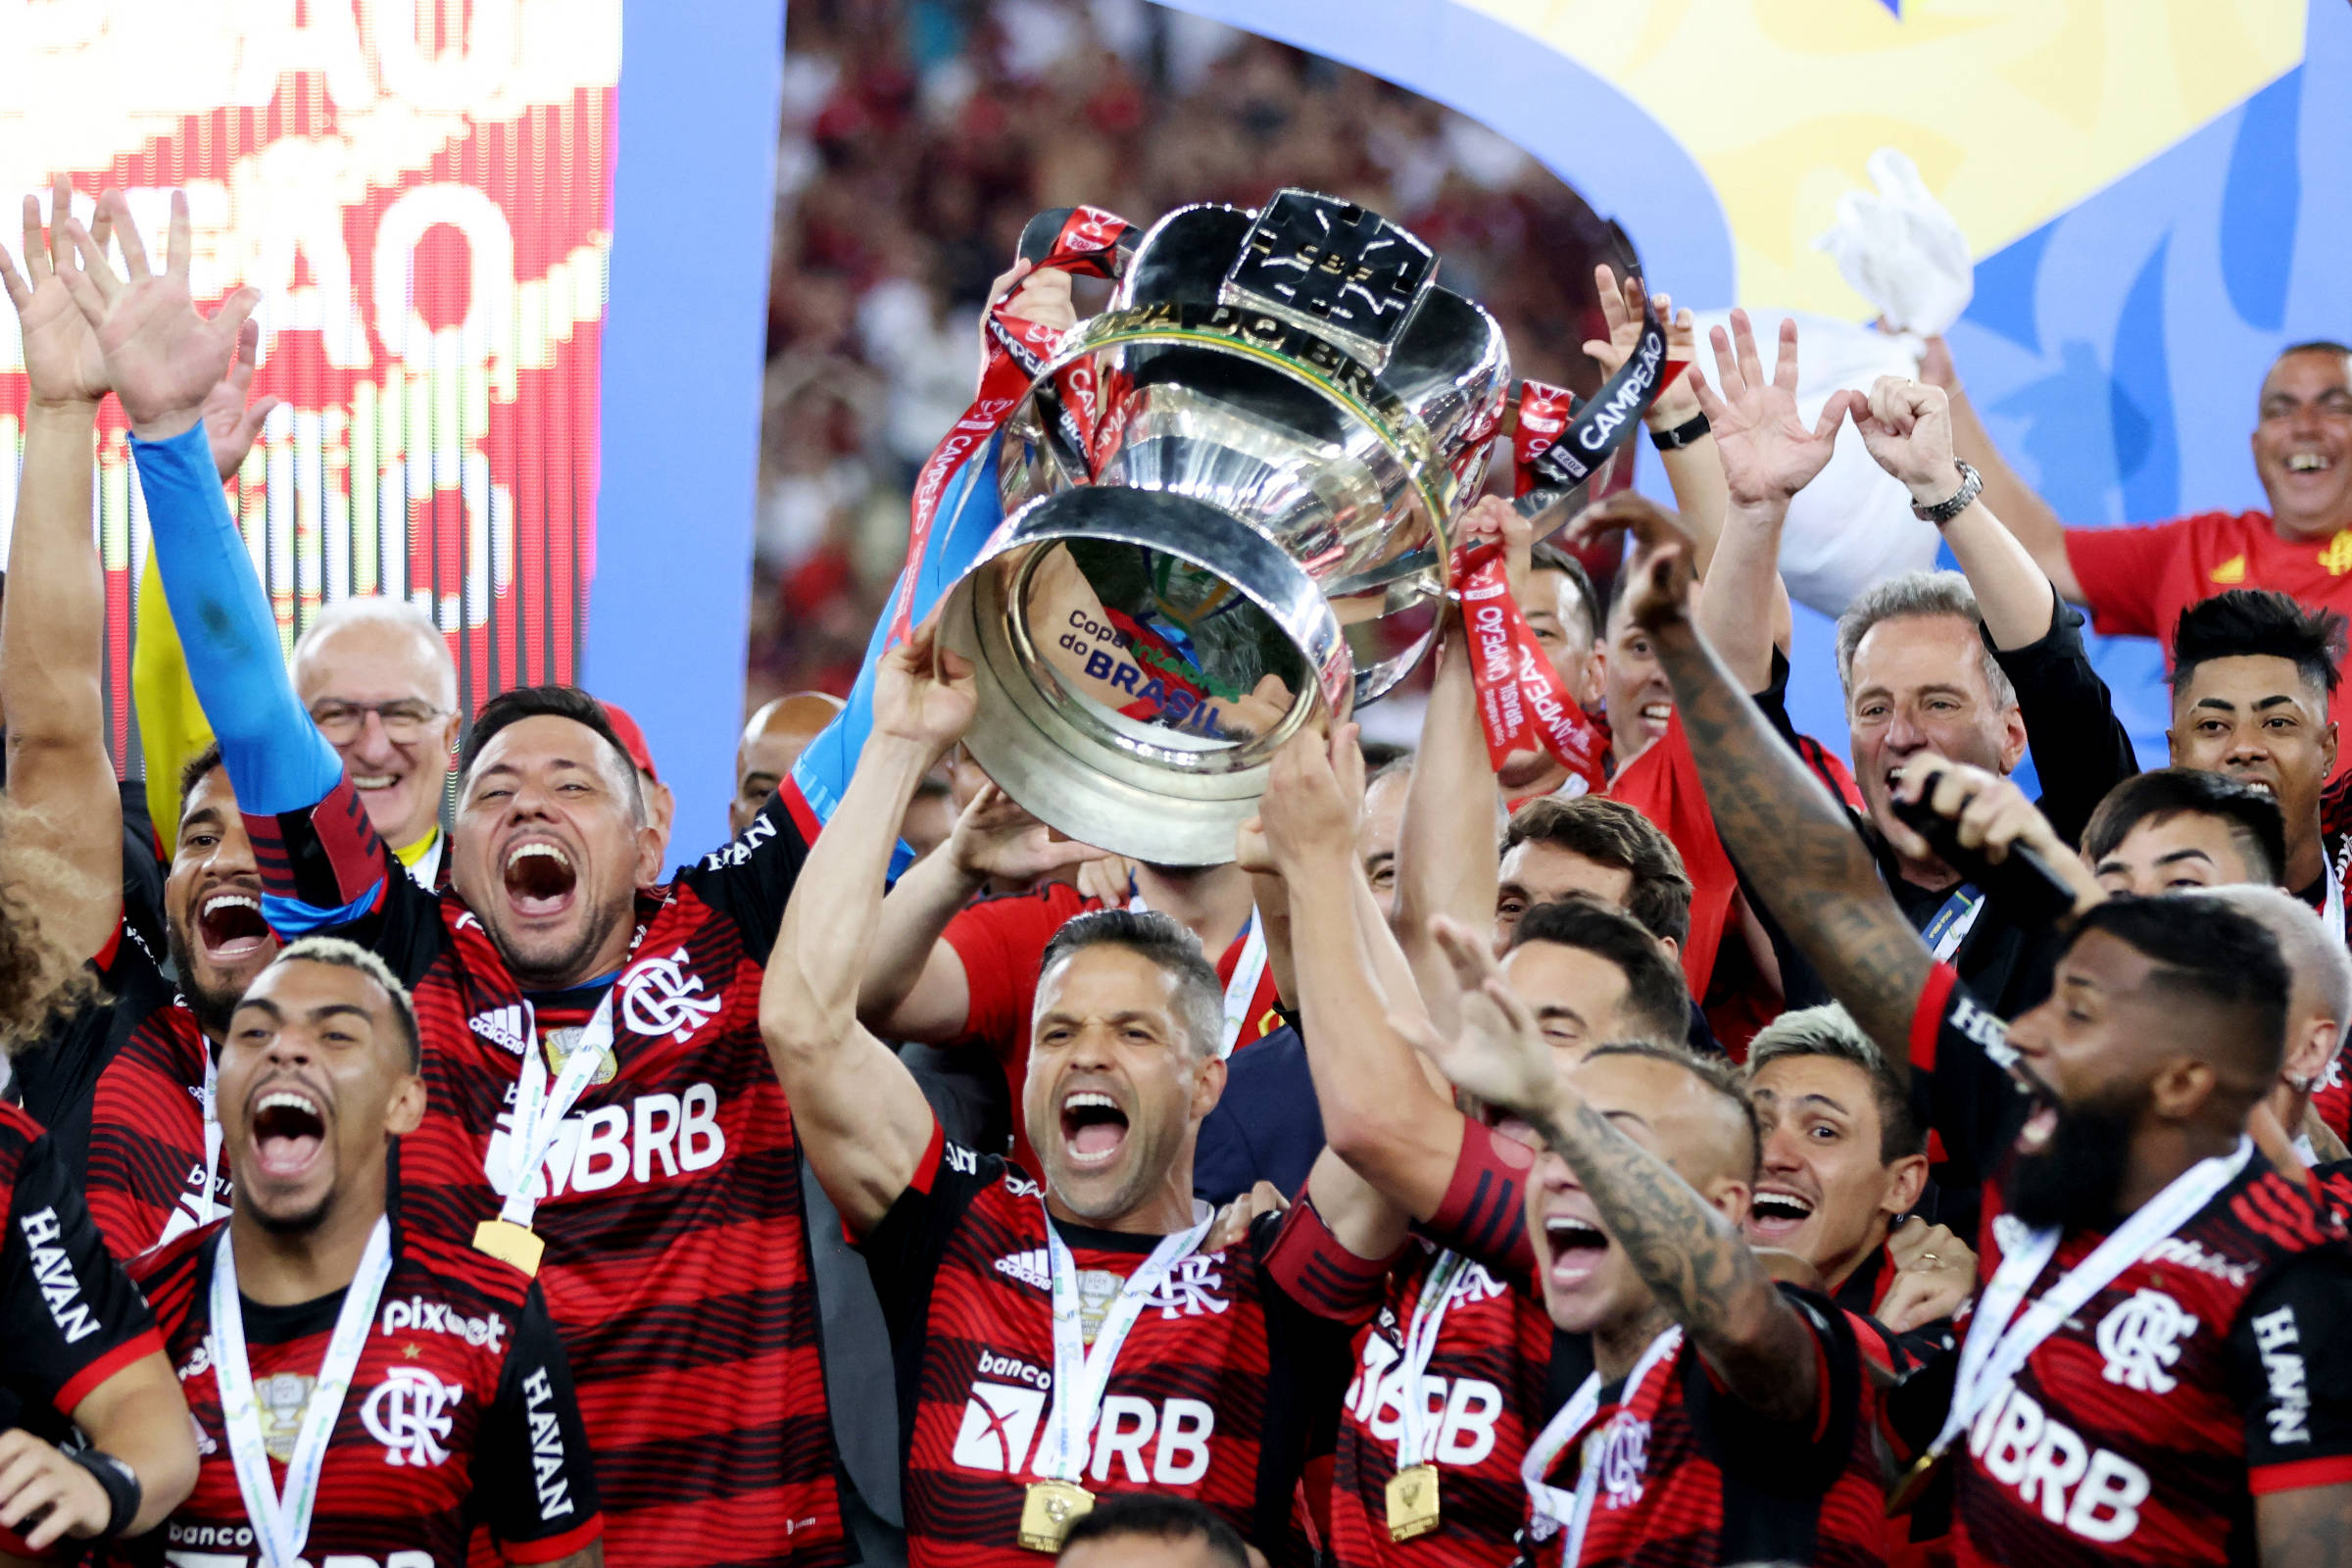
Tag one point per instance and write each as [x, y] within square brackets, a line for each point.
[1761, 1157]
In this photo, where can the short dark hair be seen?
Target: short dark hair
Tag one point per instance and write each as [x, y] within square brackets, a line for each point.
[1158, 1518]
[1383, 757]
[511, 707]
[1147, 933]
[1612, 833]
[1830, 1031]
[196, 771]
[2258, 622]
[1715, 1072]
[2205, 950]
[2253, 818]
[1549, 557]
[1654, 989]
[2317, 344]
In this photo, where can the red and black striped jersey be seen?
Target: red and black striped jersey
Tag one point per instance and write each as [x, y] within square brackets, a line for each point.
[2211, 1372]
[1215, 1394]
[2208, 1373]
[1484, 1393]
[120, 1086]
[68, 1318]
[1692, 1478]
[676, 1262]
[459, 1414]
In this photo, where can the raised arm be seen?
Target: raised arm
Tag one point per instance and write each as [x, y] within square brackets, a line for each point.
[1768, 454]
[1798, 846]
[914, 986]
[1694, 471]
[52, 672]
[859, 1114]
[2028, 518]
[164, 360]
[1381, 1114]
[1690, 1253]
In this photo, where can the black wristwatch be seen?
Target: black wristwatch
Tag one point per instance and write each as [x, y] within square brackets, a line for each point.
[1680, 436]
[121, 1483]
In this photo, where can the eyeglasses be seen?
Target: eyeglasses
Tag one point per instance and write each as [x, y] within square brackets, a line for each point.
[404, 719]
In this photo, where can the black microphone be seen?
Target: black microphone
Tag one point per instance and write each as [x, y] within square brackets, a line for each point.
[2021, 883]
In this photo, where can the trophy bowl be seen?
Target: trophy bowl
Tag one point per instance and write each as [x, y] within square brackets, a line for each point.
[1227, 504]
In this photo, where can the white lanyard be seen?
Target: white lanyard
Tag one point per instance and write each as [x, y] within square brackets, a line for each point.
[1549, 1507]
[1248, 971]
[539, 1111]
[1956, 931]
[1413, 1438]
[281, 1526]
[2331, 895]
[1994, 1350]
[1081, 1374]
[204, 1210]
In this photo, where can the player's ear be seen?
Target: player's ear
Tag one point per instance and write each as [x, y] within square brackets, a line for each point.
[404, 1113]
[1208, 1086]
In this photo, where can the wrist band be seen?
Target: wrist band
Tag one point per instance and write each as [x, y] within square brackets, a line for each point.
[121, 1483]
[1970, 483]
[1680, 436]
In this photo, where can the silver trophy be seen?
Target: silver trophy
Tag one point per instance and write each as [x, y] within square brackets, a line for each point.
[1227, 502]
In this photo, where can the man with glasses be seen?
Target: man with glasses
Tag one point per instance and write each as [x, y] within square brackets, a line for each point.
[376, 675]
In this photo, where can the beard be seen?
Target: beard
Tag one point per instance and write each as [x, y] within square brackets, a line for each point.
[553, 967]
[212, 1006]
[2077, 1182]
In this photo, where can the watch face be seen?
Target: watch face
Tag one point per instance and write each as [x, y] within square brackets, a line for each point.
[1335, 262]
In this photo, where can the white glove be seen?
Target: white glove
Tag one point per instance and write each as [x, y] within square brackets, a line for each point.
[1902, 250]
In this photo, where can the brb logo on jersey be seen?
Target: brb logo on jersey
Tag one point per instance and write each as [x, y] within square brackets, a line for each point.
[1463, 1411]
[2141, 1338]
[659, 996]
[652, 1135]
[406, 1414]
[2094, 1494]
[1163, 1443]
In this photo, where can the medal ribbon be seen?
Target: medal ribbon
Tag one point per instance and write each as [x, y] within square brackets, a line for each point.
[1549, 1506]
[281, 1523]
[1082, 1374]
[539, 1111]
[2331, 893]
[1953, 922]
[1413, 1437]
[1016, 350]
[1995, 1350]
[1522, 702]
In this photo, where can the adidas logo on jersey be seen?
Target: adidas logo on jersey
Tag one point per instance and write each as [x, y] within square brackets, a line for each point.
[1028, 1267]
[504, 1027]
[1163, 1443]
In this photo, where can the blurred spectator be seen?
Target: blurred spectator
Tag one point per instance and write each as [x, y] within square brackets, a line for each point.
[919, 135]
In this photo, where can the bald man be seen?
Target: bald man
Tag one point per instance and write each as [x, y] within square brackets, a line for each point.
[771, 743]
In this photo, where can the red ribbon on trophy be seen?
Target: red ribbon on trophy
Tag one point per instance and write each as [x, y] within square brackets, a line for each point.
[1522, 702]
[1089, 241]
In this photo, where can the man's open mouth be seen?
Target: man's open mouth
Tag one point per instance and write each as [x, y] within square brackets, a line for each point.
[1094, 1129]
[373, 781]
[1578, 1249]
[540, 878]
[2309, 462]
[230, 926]
[2041, 1128]
[288, 1132]
[1775, 1216]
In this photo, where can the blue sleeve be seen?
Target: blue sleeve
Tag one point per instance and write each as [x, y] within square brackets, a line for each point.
[969, 513]
[278, 761]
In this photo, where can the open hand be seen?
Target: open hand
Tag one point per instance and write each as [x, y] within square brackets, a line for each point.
[62, 361]
[1621, 309]
[1768, 453]
[162, 358]
[924, 692]
[996, 837]
[1499, 1057]
[1907, 426]
[229, 424]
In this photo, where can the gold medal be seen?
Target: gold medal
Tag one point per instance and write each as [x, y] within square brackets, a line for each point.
[1413, 1502]
[510, 1243]
[1048, 1510]
[1916, 1480]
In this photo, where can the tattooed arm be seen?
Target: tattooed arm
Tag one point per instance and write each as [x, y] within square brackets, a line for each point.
[1689, 1250]
[2305, 1528]
[1798, 847]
